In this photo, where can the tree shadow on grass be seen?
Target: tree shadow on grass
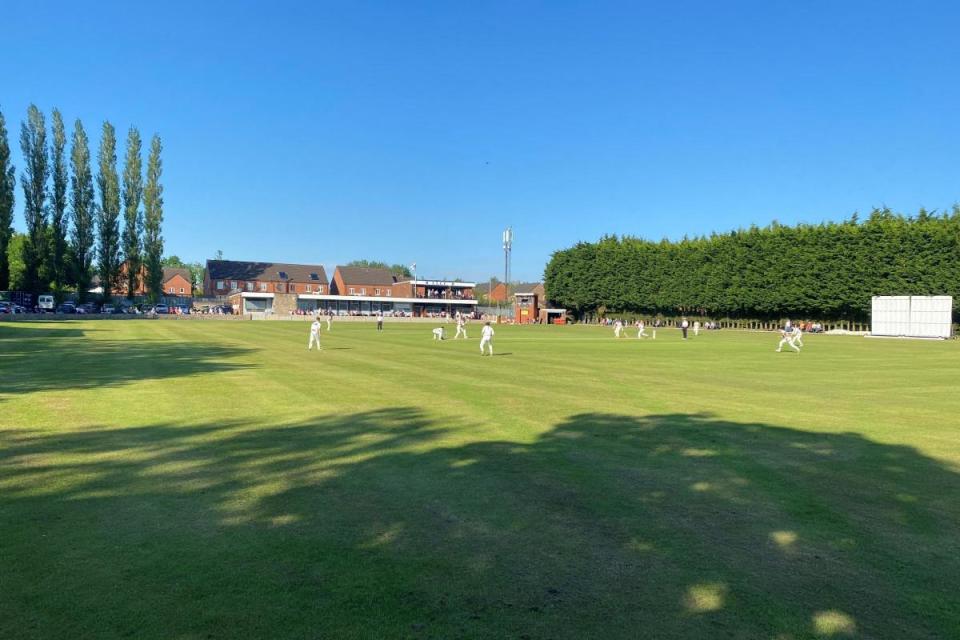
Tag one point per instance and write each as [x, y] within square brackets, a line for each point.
[374, 525]
[64, 357]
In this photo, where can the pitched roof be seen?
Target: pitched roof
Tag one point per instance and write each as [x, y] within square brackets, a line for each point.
[242, 270]
[367, 275]
[170, 272]
[525, 287]
[483, 287]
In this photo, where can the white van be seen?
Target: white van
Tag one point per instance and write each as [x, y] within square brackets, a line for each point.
[45, 302]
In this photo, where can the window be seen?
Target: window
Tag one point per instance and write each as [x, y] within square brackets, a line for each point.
[181, 289]
[308, 288]
[376, 292]
[278, 287]
[314, 276]
[291, 288]
[283, 275]
[389, 293]
[263, 286]
[319, 288]
[170, 290]
[220, 284]
[249, 286]
[352, 291]
[233, 285]
[363, 291]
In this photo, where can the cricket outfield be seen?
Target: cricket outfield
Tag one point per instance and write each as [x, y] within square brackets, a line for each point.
[207, 479]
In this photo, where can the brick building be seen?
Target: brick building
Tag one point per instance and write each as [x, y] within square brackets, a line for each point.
[177, 282]
[366, 290]
[499, 291]
[283, 288]
[262, 286]
[530, 305]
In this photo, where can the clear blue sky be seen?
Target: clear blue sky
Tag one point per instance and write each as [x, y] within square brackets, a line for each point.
[405, 131]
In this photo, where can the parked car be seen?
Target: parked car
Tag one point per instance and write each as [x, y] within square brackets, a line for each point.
[87, 307]
[66, 308]
[45, 303]
[107, 308]
[7, 307]
[161, 308]
[184, 309]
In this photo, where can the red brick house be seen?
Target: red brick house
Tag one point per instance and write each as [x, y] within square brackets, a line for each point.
[363, 281]
[177, 282]
[222, 277]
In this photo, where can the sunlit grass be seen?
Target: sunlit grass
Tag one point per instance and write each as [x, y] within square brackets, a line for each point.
[213, 479]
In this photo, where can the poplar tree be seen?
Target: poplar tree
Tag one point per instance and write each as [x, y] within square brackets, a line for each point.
[82, 205]
[58, 203]
[108, 212]
[133, 219]
[153, 222]
[8, 182]
[33, 144]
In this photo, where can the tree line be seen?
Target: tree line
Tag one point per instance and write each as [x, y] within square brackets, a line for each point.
[825, 271]
[400, 270]
[73, 217]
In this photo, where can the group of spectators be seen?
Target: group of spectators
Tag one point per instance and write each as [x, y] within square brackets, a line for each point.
[216, 310]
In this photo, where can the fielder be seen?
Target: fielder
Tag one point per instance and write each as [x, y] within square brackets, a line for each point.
[439, 334]
[798, 335]
[788, 336]
[329, 319]
[314, 335]
[461, 327]
[617, 329]
[486, 338]
[641, 330]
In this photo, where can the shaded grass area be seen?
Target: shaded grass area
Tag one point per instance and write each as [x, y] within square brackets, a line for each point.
[418, 508]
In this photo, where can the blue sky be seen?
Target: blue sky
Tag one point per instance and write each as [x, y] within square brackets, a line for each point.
[409, 131]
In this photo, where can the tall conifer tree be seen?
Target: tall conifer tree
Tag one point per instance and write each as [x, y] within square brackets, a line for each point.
[8, 182]
[33, 144]
[133, 218]
[82, 205]
[108, 212]
[58, 203]
[153, 221]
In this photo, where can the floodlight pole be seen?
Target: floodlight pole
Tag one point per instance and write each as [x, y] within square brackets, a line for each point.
[507, 249]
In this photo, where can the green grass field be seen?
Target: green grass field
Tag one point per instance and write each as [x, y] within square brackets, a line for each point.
[201, 479]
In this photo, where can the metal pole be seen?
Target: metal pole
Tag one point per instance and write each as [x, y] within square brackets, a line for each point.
[507, 248]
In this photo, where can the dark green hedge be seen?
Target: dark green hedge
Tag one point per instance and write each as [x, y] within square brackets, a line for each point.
[828, 270]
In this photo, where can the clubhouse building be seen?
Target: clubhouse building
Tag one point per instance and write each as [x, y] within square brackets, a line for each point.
[284, 288]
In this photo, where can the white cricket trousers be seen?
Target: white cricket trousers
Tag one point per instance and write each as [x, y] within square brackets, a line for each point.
[485, 342]
[314, 338]
[788, 341]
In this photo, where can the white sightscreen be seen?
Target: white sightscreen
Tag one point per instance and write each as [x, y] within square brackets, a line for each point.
[914, 316]
[931, 316]
[891, 316]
